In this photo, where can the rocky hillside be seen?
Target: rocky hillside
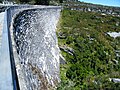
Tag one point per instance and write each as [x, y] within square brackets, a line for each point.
[88, 7]
[90, 44]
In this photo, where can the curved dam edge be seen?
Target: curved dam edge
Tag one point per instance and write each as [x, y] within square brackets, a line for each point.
[19, 67]
[8, 50]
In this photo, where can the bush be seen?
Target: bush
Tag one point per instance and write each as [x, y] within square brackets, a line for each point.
[42, 2]
[94, 52]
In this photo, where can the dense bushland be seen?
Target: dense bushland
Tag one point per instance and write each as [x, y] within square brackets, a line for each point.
[88, 50]
[38, 2]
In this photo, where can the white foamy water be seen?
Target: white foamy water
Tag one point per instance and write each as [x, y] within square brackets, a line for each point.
[36, 40]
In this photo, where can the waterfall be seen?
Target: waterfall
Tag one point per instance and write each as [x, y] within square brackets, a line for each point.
[37, 47]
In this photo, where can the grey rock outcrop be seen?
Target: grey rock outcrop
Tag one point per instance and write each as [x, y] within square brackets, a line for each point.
[115, 80]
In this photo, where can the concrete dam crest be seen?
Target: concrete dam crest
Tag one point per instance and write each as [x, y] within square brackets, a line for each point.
[32, 48]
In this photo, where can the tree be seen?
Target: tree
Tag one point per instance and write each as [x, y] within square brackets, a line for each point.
[42, 2]
[61, 1]
[24, 1]
[1, 1]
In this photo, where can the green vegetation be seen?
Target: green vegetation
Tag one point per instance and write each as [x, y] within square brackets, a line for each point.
[39, 2]
[0, 1]
[42, 2]
[89, 51]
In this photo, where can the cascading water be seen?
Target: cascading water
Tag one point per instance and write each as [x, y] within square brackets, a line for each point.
[37, 47]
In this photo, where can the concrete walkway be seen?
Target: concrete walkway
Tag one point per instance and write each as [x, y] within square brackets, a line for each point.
[1, 25]
[6, 82]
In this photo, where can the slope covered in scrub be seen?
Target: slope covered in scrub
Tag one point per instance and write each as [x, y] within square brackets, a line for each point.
[89, 51]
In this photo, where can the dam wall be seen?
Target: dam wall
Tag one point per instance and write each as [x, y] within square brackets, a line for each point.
[34, 33]
[29, 51]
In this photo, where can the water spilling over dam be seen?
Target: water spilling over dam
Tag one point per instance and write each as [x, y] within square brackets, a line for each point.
[36, 41]
[35, 47]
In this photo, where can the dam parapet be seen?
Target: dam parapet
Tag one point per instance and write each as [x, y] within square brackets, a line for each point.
[31, 48]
